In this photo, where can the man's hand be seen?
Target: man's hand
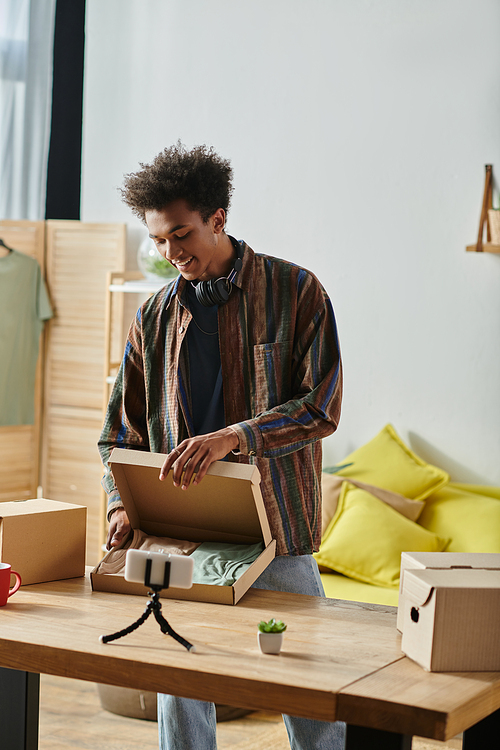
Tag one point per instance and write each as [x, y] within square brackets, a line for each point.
[119, 527]
[198, 453]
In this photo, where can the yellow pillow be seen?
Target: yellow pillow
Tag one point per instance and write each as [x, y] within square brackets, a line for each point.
[387, 462]
[472, 520]
[366, 537]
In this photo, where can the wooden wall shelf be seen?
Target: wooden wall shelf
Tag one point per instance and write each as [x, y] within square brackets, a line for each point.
[488, 246]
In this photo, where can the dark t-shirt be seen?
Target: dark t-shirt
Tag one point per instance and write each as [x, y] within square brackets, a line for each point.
[204, 366]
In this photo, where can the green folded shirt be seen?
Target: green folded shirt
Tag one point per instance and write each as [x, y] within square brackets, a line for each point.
[222, 564]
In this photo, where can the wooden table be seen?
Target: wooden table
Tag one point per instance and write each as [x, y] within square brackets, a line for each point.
[341, 660]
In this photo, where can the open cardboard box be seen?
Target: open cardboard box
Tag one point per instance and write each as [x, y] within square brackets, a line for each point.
[452, 619]
[441, 561]
[226, 506]
[43, 540]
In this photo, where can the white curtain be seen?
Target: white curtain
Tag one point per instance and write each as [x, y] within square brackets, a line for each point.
[26, 50]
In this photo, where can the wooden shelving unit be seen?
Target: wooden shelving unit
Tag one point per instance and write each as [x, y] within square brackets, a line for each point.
[488, 246]
[124, 282]
[118, 315]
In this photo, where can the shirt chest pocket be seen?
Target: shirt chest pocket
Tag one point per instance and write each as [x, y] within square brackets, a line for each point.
[272, 372]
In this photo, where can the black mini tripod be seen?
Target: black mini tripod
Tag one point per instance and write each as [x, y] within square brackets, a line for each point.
[153, 606]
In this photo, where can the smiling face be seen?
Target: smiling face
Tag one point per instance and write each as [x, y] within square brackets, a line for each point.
[198, 250]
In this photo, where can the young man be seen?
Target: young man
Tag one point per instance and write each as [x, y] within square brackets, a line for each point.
[245, 368]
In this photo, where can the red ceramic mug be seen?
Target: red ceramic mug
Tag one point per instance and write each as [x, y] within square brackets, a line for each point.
[5, 589]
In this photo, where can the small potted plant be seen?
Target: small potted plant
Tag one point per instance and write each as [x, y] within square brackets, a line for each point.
[270, 636]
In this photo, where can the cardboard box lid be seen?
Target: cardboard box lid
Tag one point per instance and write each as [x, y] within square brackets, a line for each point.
[450, 560]
[226, 506]
[37, 505]
[420, 584]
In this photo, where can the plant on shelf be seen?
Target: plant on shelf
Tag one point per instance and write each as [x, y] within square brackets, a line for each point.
[151, 263]
[162, 268]
[494, 222]
[270, 636]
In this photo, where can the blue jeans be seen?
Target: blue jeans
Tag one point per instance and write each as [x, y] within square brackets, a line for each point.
[185, 724]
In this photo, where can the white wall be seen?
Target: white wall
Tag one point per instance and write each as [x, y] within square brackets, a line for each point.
[358, 131]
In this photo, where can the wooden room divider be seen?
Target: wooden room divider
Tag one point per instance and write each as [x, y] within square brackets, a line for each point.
[77, 258]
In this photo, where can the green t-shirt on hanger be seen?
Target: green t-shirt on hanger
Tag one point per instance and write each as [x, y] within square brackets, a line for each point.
[24, 306]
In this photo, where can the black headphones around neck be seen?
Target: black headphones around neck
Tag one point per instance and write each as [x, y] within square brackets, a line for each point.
[217, 291]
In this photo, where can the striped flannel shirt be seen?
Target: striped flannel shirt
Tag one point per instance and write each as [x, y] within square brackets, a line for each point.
[282, 387]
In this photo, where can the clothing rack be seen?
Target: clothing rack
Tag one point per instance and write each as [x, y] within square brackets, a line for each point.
[4, 245]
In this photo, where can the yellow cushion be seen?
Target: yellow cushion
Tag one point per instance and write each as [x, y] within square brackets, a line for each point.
[366, 537]
[471, 519]
[387, 462]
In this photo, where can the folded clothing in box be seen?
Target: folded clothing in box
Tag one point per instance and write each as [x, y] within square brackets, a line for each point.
[215, 563]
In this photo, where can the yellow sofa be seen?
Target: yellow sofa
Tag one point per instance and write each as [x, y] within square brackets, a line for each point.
[387, 500]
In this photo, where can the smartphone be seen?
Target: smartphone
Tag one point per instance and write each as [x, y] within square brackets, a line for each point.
[163, 569]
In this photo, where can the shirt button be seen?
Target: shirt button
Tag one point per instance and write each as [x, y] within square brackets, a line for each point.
[181, 329]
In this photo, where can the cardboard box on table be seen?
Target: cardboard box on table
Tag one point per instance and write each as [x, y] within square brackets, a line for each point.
[43, 540]
[226, 506]
[441, 561]
[452, 620]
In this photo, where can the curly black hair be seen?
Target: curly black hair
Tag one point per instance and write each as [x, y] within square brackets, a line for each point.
[199, 176]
